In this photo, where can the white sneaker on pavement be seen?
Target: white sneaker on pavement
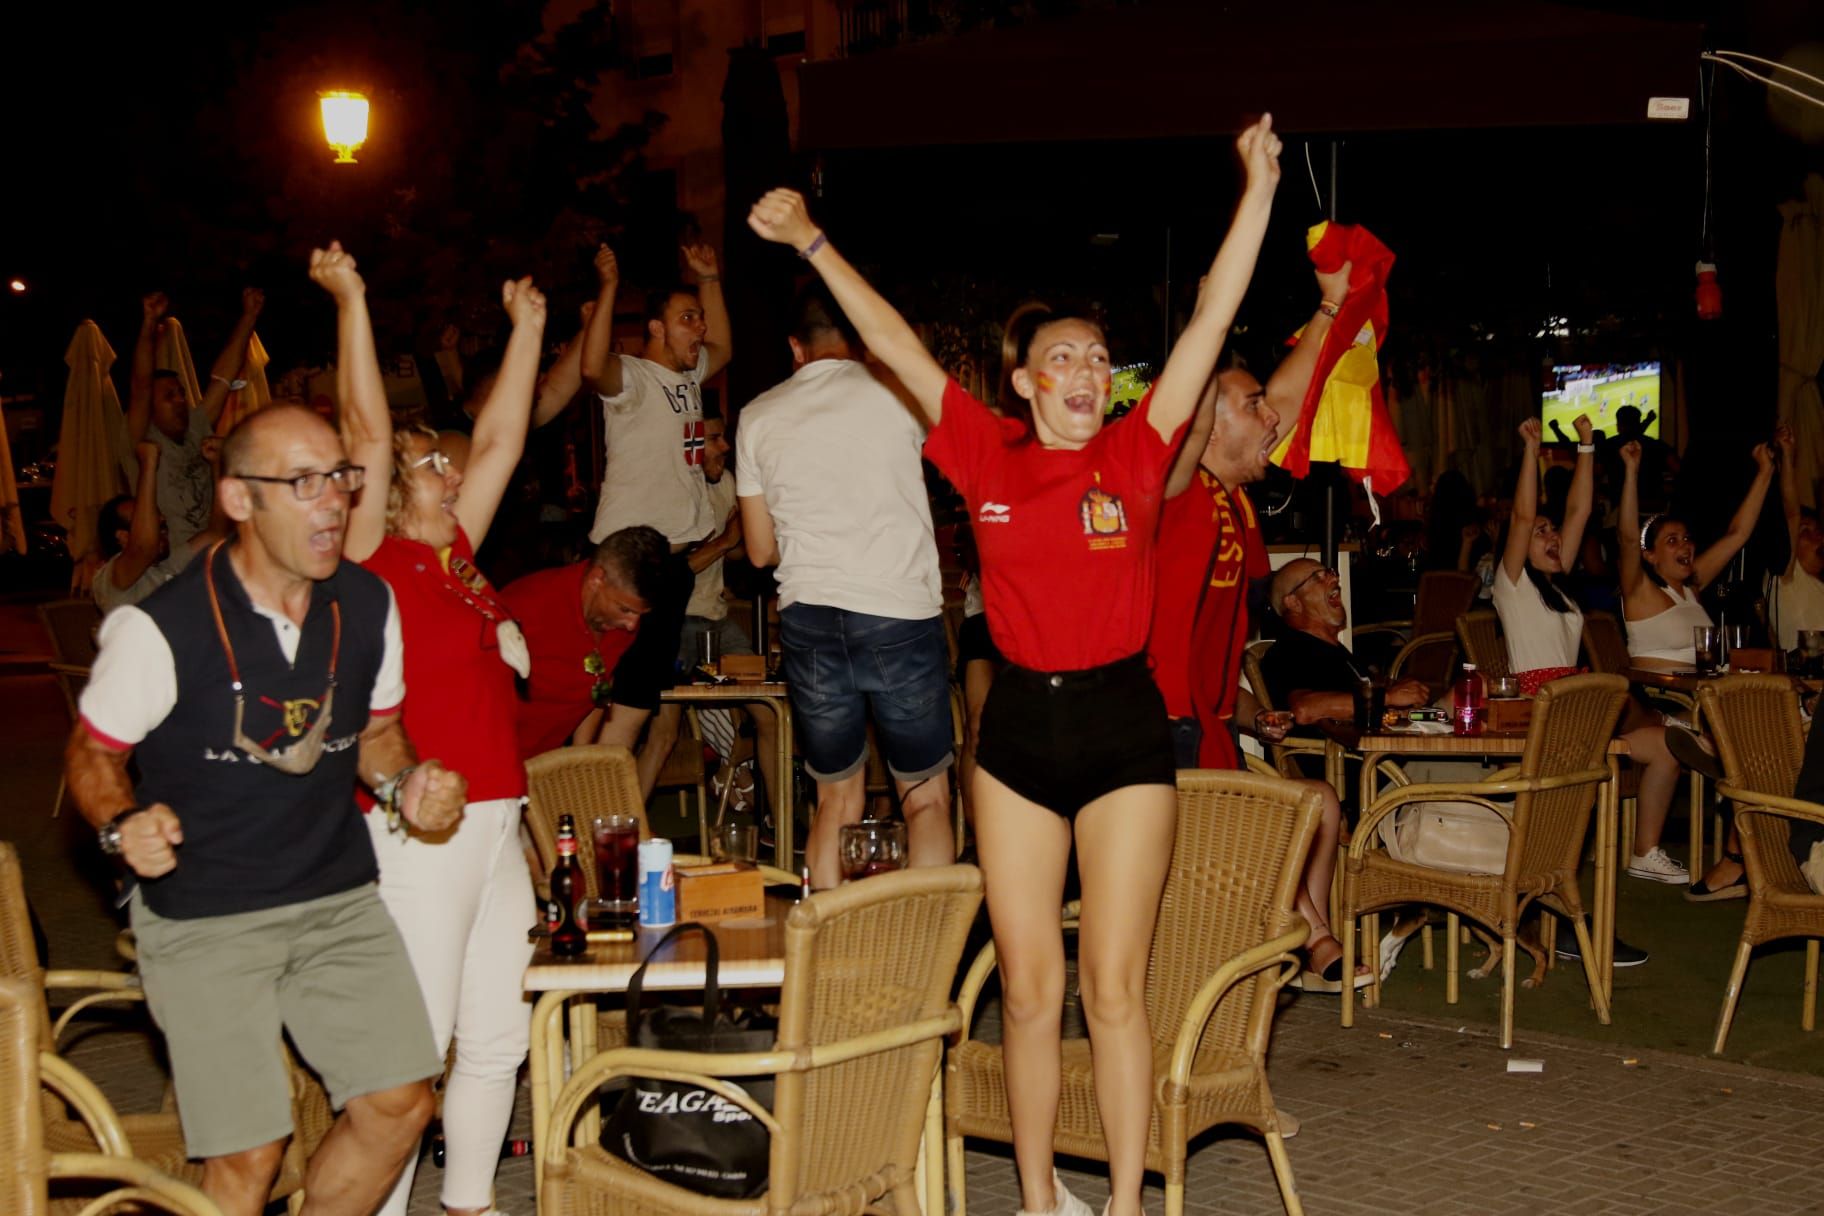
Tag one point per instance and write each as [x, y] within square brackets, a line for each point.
[1656, 866]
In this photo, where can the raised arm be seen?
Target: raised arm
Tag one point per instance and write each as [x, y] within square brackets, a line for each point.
[1628, 542]
[563, 380]
[233, 358]
[367, 426]
[1287, 386]
[500, 427]
[780, 217]
[717, 339]
[1714, 560]
[1784, 439]
[1190, 453]
[1583, 494]
[141, 549]
[145, 350]
[601, 367]
[1194, 357]
[1526, 504]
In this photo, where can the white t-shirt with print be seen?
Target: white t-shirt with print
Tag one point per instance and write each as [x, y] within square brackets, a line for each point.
[837, 457]
[653, 430]
[1537, 637]
[186, 485]
[706, 596]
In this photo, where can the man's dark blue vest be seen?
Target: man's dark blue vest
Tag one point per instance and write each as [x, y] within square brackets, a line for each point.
[255, 837]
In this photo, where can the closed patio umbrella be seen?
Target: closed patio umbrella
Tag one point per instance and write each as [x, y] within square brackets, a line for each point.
[173, 354]
[1799, 290]
[88, 463]
[254, 395]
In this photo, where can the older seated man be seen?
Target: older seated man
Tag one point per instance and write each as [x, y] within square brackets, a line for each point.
[1309, 671]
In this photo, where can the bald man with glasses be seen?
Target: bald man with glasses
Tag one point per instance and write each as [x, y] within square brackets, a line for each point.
[254, 690]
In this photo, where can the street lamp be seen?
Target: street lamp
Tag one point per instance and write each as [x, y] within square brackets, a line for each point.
[344, 123]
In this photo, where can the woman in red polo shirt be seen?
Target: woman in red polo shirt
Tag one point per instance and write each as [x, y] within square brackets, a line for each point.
[1074, 732]
[462, 899]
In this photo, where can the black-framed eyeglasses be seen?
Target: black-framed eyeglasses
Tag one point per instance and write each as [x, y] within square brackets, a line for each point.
[1320, 571]
[308, 487]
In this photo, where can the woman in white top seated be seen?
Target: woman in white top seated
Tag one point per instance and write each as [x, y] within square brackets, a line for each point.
[1662, 571]
[1797, 595]
[1544, 627]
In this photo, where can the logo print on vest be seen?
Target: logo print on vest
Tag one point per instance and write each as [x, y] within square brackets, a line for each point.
[296, 715]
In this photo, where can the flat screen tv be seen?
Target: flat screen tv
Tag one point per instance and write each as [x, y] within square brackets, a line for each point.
[1600, 390]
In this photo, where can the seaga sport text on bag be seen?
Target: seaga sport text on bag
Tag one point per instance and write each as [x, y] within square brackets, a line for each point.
[690, 1136]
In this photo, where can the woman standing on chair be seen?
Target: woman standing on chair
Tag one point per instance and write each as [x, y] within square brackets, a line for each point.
[1544, 627]
[1074, 733]
[462, 899]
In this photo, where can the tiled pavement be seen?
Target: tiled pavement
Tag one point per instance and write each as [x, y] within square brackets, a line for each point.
[1400, 1115]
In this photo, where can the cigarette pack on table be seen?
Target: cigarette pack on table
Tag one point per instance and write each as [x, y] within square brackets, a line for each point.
[745, 668]
[719, 890]
[1509, 715]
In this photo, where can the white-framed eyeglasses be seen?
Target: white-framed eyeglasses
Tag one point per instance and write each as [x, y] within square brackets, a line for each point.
[438, 459]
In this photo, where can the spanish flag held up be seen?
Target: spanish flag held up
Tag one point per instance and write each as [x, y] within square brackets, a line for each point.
[1344, 416]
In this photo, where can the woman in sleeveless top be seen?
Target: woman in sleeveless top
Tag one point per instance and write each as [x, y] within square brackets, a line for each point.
[1544, 627]
[1662, 571]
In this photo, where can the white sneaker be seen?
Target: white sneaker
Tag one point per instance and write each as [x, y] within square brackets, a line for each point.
[1063, 1203]
[1655, 866]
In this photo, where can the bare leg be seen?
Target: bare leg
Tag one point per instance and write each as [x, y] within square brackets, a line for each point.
[926, 803]
[838, 802]
[1658, 780]
[978, 675]
[766, 744]
[1314, 894]
[355, 1165]
[661, 737]
[1024, 851]
[240, 1183]
[1124, 848]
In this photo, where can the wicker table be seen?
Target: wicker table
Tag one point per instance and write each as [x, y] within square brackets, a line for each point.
[750, 954]
[1341, 738]
[776, 695]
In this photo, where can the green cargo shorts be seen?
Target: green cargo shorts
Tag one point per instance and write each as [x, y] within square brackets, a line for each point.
[332, 972]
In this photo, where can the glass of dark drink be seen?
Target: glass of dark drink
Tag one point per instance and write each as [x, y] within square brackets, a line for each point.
[873, 846]
[1704, 649]
[617, 849]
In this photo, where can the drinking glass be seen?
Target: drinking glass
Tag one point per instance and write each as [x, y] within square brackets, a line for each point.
[1735, 637]
[734, 842]
[617, 865]
[1505, 687]
[709, 649]
[1703, 644]
[873, 846]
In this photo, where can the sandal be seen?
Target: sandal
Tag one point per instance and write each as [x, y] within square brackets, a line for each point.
[741, 797]
[1701, 892]
[1692, 750]
[1330, 979]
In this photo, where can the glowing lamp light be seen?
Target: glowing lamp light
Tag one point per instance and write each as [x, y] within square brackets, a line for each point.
[344, 124]
[17, 286]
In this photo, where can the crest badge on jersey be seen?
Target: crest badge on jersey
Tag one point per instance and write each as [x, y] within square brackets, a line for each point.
[1104, 518]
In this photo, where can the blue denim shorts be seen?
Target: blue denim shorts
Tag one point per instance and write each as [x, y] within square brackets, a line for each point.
[844, 667]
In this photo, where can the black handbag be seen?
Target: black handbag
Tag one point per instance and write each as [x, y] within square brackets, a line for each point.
[690, 1136]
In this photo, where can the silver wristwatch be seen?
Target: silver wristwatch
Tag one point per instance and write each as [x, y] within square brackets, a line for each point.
[108, 835]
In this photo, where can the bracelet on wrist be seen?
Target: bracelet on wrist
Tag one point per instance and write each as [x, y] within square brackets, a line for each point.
[1584, 449]
[1329, 308]
[390, 794]
[709, 278]
[810, 250]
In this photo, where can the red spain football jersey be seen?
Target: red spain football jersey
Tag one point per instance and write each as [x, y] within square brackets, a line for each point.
[1066, 537]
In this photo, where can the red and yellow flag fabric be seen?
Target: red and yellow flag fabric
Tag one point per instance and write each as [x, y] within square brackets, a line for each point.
[1344, 417]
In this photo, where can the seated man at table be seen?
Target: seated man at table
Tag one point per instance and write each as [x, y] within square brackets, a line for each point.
[578, 621]
[1309, 671]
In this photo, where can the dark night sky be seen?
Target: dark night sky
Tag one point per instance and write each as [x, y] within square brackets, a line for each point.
[134, 132]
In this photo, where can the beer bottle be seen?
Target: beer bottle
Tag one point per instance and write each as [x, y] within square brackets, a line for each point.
[567, 936]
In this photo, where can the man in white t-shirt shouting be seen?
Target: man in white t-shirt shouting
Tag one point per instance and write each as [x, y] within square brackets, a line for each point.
[652, 420]
[831, 489]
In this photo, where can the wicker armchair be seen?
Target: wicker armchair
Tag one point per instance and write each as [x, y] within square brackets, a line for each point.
[1483, 645]
[1222, 949]
[583, 781]
[156, 1139]
[1284, 754]
[27, 1165]
[861, 1033]
[1553, 792]
[1755, 722]
[1430, 643]
[1605, 646]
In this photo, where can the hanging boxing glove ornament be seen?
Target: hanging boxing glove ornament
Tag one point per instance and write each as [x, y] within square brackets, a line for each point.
[1709, 293]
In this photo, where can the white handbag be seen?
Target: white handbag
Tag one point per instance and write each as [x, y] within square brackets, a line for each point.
[1462, 837]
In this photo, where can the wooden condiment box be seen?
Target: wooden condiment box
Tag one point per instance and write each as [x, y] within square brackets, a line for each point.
[745, 668]
[1755, 659]
[720, 890]
[1509, 715]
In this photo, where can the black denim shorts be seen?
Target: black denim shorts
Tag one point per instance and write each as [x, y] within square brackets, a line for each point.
[1063, 739]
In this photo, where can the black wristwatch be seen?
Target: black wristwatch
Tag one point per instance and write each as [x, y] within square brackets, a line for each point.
[108, 835]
